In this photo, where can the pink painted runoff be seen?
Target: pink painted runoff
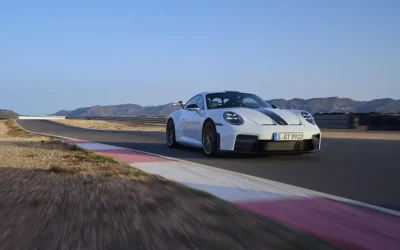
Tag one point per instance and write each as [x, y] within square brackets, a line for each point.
[348, 226]
[129, 156]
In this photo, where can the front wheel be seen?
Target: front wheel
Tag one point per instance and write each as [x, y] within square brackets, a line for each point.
[170, 134]
[209, 139]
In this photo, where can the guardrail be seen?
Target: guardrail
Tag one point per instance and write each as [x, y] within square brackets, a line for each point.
[22, 117]
[373, 121]
[390, 122]
[338, 121]
[160, 120]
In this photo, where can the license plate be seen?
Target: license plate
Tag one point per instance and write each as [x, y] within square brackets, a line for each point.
[288, 136]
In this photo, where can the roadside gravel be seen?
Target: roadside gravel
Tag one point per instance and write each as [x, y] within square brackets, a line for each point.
[90, 202]
[19, 149]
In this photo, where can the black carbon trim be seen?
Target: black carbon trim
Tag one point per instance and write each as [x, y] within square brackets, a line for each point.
[218, 142]
[279, 120]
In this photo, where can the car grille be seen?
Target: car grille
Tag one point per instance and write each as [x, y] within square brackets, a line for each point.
[249, 143]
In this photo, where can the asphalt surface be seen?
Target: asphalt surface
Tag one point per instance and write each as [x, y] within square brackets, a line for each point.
[358, 169]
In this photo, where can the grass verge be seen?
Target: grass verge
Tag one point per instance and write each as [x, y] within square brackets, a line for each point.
[41, 152]
[15, 131]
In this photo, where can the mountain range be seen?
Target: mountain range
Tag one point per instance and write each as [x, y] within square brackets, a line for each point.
[314, 105]
[5, 113]
[336, 104]
[120, 110]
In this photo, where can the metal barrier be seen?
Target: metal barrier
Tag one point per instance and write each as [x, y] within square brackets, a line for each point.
[160, 120]
[338, 121]
[22, 117]
[390, 122]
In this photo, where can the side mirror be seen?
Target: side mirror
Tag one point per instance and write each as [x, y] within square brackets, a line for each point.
[192, 107]
[275, 106]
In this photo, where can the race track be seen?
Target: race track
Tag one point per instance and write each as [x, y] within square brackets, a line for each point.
[362, 170]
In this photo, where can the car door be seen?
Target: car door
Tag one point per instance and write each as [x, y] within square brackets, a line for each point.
[192, 121]
[184, 125]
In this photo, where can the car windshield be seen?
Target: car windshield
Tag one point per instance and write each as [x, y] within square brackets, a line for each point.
[235, 100]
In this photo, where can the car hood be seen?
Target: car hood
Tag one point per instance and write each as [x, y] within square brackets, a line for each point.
[269, 116]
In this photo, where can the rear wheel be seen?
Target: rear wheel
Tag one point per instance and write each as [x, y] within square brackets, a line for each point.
[209, 139]
[170, 134]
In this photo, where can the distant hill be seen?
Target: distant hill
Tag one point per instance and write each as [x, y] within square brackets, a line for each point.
[336, 104]
[120, 110]
[63, 113]
[4, 113]
[314, 105]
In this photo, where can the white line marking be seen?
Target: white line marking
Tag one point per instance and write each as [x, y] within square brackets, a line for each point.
[254, 178]
[49, 135]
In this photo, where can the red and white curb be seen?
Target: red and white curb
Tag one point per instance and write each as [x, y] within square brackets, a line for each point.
[350, 224]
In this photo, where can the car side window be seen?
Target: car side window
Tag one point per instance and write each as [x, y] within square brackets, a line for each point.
[200, 102]
[196, 100]
[188, 103]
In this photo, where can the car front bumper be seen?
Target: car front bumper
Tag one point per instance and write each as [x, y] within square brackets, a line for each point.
[260, 141]
[245, 143]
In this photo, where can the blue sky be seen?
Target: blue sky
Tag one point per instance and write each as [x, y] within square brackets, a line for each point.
[64, 55]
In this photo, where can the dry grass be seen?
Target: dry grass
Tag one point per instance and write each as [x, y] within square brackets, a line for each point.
[19, 149]
[14, 131]
[74, 147]
[31, 155]
[101, 158]
[111, 125]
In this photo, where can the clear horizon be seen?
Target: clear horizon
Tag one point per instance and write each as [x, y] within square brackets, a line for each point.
[182, 100]
[72, 55]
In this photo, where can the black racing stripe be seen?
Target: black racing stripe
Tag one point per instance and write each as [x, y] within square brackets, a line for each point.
[279, 120]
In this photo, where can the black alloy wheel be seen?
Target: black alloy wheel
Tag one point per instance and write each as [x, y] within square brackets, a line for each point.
[170, 134]
[209, 139]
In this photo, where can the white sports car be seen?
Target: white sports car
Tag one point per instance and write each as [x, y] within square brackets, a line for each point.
[241, 122]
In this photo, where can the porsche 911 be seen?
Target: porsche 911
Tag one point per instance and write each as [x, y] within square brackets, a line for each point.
[232, 121]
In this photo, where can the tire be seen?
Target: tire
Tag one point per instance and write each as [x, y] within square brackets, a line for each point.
[170, 134]
[209, 139]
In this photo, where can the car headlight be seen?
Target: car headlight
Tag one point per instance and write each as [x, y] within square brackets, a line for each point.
[233, 118]
[308, 117]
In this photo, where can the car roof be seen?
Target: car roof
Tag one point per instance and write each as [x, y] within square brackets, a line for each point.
[221, 91]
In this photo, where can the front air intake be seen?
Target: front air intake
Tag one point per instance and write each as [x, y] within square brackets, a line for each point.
[246, 143]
